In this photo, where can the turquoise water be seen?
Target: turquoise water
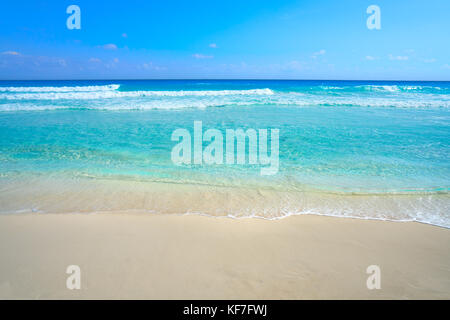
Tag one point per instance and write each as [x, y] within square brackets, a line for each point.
[336, 137]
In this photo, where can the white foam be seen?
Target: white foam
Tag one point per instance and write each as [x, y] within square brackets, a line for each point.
[109, 98]
[106, 94]
[110, 87]
[398, 88]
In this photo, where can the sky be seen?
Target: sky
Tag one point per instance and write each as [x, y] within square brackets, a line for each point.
[227, 39]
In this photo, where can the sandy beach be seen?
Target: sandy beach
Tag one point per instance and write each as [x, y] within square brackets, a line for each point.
[215, 150]
[147, 256]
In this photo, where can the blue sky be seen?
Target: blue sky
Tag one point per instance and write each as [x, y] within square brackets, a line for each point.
[310, 39]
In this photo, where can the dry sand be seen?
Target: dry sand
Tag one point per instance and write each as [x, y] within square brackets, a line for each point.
[146, 256]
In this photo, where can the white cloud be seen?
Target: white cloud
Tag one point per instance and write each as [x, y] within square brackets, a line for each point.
[95, 60]
[151, 66]
[446, 66]
[370, 58]
[109, 46]
[213, 45]
[116, 60]
[318, 53]
[429, 60]
[294, 65]
[124, 35]
[11, 53]
[202, 56]
[399, 58]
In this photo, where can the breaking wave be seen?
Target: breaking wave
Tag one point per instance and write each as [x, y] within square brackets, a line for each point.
[110, 87]
[114, 97]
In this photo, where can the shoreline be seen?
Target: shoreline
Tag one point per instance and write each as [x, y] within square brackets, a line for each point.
[232, 217]
[55, 195]
[134, 255]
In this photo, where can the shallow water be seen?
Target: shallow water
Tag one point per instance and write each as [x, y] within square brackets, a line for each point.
[366, 149]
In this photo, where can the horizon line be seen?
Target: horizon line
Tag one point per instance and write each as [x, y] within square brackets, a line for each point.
[220, 79]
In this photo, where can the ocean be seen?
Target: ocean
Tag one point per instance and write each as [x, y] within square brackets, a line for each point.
[361, 149]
